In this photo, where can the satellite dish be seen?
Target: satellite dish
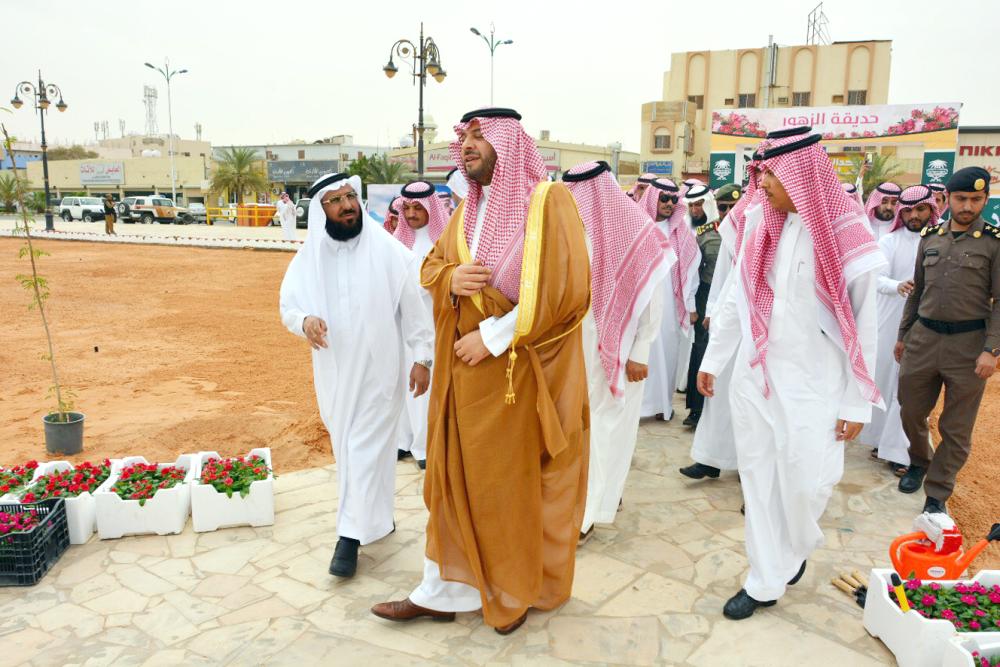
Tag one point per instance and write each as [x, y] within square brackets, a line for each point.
[406, 141]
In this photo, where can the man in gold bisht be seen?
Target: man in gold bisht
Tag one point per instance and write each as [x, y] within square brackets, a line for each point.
[509, 420]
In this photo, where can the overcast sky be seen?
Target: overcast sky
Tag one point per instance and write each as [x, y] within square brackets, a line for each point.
[267, 72]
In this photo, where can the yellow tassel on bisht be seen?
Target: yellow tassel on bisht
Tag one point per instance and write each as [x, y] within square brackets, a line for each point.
[510, 399]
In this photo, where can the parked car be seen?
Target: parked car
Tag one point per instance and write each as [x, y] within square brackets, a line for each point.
[302, 213]
[87, 209]
[197, 212]
[147, 209]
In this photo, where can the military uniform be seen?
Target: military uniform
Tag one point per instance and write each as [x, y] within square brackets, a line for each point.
[949, 320]
[709, 242]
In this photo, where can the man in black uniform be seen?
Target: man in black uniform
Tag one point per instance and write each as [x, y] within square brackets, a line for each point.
[949, 335]
[704, 218]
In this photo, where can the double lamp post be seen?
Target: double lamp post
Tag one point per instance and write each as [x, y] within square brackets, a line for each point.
[41, 96]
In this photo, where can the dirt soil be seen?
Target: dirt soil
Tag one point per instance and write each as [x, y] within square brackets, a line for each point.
[169, 351]
[177, 350]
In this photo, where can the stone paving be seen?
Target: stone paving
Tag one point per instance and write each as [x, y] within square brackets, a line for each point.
[648, 590]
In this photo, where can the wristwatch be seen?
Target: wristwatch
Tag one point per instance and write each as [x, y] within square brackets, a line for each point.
[995, 351]
[426, 363]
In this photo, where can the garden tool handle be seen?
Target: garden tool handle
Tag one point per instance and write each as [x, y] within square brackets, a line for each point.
[898, 542]
[842, 585]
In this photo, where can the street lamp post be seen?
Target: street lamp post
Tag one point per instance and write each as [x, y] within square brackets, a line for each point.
[168, 75]
[493, 44]
[423, 61]
[41, 95]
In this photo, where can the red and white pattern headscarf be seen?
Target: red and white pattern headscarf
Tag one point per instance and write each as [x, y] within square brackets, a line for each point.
[843, 248]
[882, 191]
[391, 216]
[731, 227]
[518, 170]
[854, 192]
[911, 197]
[645, 179]
[437, 216]
[689, 183]
[682, 240]
[937, 187]
[629, 257]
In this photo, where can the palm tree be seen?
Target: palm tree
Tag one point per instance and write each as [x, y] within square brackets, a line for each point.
[883, 168]
[236, 171]
[8, 191]
[380, 170]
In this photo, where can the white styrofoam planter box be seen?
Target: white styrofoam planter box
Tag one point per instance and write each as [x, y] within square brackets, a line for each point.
[211, 510]
[163, 514]
[81, 511]
[958, 650]
[15, 497]
[914, 640]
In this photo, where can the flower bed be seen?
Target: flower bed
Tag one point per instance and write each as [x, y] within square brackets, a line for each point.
[60, 479]
[918, 637]
[32, 538]
[141, 498]
[14, 478]
[967, 650]
[233, 491]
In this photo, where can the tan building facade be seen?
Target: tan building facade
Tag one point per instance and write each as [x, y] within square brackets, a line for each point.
[676, 129]
[126, 177]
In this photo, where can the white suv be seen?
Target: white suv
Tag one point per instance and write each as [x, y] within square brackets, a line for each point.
[87, 209]
[147, 209]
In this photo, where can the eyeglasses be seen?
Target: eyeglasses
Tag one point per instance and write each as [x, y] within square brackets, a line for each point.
[724, 207]
[668, 198]
[339, 199]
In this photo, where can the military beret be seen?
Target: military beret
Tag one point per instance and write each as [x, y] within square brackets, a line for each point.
[728, 193]
[970, 179]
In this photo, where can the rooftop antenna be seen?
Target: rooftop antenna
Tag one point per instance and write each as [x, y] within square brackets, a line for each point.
[817, 27]
[121, 126]
[149, 100]
[197, 131]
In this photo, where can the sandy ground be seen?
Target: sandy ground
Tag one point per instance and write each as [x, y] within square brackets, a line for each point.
[169, 350]
[175, 350]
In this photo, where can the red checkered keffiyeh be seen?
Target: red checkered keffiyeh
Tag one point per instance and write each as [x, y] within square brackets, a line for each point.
[646, 178]
[629, 257]
[843, 248]
[909, 198]
[391, 215]
[518, 170]
[436, 214]
[682, 240]
[882, 191]
[852, 190]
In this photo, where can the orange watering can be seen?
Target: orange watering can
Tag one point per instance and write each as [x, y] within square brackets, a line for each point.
[914, 555]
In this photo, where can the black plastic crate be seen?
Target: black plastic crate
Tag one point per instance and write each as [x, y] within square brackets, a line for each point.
[26, 557]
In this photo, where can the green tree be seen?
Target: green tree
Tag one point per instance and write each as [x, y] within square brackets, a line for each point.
[237, 172]
[71, 153]
[378, 169]
[883, 168]
[8, 190]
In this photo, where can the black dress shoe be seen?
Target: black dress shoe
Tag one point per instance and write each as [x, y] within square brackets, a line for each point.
[935, 506]
[912, 480]
[345, 557]
[422, 464]
[402, 454]
[742, 606]
[692, 419]
[802, 570]
[700, 471]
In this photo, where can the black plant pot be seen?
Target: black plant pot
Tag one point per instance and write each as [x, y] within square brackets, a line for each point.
[64, 437]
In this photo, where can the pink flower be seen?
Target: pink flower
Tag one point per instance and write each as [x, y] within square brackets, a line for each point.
[995, 597]
[914, 584]
[970, 600]
[958, 624]
[979, 612]
[974, 625]
[961, 588]
[928, 600]
[935, 586]
[948, 614]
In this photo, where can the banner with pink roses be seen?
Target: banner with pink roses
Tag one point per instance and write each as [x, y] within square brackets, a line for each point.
[841, 122]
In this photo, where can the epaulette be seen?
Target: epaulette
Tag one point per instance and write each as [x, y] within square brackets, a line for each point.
[991, 228]
[932, 229]
[707, 227]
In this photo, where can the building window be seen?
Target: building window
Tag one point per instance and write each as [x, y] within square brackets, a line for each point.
[661, 139]
[747, 100]
[302, 155]
[699, 101]
[729, 101]
[857, 97]
[800, 99]
[838, 99]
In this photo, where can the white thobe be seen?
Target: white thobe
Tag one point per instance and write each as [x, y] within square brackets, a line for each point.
[885, 430]
[286, 214]
[614, 422]
[362, 410]
[878, 227]
[666, 350]
[413, 429]
[788, 457]
[714, 444]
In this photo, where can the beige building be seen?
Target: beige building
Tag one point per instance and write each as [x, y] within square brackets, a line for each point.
[126, 177]
[677, 128]
[559, 156]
